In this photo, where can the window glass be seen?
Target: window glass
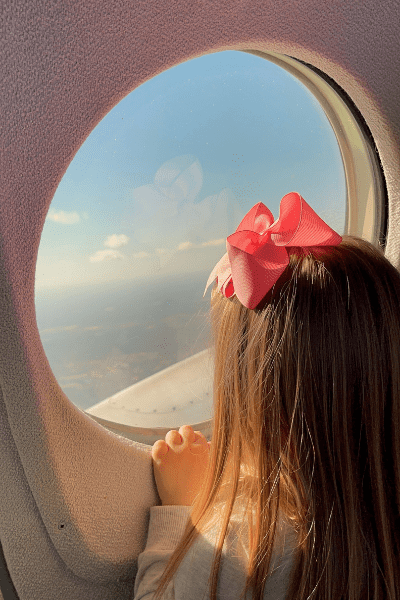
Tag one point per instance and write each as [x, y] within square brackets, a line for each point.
[141, 215]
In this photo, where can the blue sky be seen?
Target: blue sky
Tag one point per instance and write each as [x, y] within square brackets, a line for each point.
[171, 170]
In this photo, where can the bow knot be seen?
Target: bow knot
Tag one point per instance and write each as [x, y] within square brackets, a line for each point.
[256, 253]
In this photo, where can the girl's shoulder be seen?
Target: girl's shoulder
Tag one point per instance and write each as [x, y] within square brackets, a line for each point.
[195, 569]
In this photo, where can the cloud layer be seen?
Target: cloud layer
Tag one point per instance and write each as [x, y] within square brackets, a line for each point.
[174, 231]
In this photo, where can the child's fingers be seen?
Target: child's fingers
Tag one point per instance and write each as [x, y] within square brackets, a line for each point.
[186, 438]
[159, 449]
[199, 438]
[187, 433]
[200, 443]
[173, 438]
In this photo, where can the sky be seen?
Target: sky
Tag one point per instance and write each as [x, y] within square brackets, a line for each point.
[171, 170]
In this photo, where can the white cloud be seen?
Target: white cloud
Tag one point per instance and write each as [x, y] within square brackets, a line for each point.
[167, 212]
[161, 250]
[74, 384]
[59, 329]
[214, 242]
[185, 245]
[180, 178]
[105, 255]
[65, 218]
[140, 255]
[116, 241]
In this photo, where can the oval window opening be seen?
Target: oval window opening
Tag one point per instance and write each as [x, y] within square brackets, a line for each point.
[141, 216]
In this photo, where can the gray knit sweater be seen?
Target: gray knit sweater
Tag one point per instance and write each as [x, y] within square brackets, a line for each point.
[166, 527]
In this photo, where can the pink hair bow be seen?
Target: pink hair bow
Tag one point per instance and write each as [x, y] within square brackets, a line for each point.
[256, 253]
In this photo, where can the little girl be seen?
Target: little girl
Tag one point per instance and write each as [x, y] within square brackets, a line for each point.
[298, 495]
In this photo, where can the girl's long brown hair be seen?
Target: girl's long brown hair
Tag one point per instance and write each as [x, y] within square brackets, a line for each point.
[307, 401]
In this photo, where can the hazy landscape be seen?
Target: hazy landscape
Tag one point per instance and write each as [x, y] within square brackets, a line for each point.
[102, 339]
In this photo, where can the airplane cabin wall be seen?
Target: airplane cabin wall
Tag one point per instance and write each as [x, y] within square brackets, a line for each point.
[74, 497]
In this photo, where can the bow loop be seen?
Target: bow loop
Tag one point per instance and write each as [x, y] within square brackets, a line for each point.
[299, 225]
[258, 219]
[256, 253]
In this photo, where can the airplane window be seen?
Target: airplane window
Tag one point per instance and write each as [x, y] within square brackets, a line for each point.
[141, 216]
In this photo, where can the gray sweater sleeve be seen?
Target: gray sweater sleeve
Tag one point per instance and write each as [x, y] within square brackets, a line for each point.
[166, 526]
[191, 581]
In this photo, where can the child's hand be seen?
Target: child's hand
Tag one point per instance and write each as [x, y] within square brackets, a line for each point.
[179, 464]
